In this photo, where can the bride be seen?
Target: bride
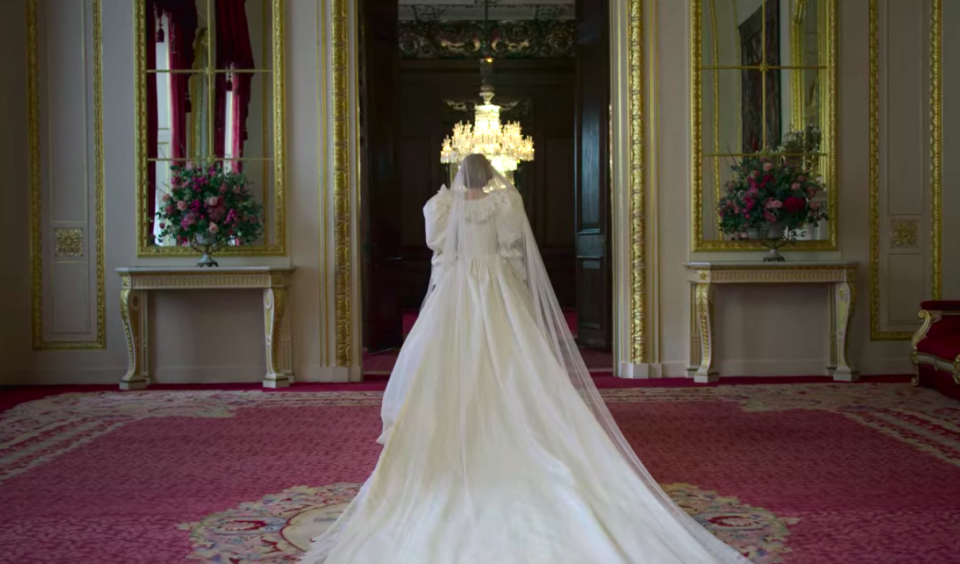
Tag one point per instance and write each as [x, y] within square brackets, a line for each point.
[497, 446]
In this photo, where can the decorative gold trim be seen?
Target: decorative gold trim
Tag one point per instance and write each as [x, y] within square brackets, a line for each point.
[936, 149]
[638, 233]
[341, 183]
[99, 197]
[904, 233]
[144, 248]
[217, 278]
[36, 187]
[698, 243]
[764, 273]
[68, 242]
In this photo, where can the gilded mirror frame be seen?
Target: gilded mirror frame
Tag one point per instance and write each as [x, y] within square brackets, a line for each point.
[279, 246]
[828, 102]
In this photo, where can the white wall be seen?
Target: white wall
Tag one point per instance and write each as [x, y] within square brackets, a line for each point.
[207, 336]
[781, 330]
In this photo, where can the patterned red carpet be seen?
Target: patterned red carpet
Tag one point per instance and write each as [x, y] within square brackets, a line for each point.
[800, 473]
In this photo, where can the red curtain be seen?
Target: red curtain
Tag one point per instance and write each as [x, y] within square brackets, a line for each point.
[180, 33]
[233, 52]
[182, 17]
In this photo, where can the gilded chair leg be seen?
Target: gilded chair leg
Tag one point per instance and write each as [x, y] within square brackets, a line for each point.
[928, 318]
[956, 370]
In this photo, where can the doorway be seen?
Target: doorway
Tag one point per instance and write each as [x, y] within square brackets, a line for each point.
[419, 76]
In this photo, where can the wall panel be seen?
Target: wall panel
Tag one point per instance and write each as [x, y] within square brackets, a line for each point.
[66, 174]
[901, 184]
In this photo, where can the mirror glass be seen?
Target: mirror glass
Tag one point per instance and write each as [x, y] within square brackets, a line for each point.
[210, 98]
[764, 68]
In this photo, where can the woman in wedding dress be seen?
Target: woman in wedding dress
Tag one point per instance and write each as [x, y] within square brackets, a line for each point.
[497, 446]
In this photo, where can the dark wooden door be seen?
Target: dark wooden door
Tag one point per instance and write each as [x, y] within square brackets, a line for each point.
[594, 288]
[380, 193]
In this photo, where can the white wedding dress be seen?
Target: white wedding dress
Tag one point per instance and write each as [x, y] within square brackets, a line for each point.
[496, 451]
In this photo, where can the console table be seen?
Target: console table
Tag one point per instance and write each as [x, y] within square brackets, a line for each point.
[137, 281]
[839, 276]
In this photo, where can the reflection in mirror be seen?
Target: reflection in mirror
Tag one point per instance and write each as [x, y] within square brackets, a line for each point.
[243, 33]
[764, 73]
[209, 96]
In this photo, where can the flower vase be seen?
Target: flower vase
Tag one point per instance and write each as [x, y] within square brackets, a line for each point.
[206, 244]
[773, 237]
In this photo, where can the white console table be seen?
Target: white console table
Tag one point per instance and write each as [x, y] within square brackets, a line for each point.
[839, 276]
[137, 281]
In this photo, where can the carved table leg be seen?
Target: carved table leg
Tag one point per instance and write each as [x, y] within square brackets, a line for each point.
[703, 307]
[274, 310]
[133, 310]
[842, 311]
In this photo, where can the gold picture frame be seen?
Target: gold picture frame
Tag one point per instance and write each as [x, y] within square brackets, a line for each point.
[278, 247]
[828, 121]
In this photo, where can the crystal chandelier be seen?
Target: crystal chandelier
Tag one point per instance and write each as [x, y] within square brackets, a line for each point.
[504, 145]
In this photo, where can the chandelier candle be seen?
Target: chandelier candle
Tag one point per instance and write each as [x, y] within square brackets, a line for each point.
[503, 145]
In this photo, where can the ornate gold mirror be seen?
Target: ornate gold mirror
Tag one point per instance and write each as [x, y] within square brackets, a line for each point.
[209, 90]
[763, 82]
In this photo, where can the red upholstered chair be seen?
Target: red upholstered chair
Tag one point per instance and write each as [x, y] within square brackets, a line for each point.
[936, 347]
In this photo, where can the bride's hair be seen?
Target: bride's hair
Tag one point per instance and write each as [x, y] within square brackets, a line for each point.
[477, 171]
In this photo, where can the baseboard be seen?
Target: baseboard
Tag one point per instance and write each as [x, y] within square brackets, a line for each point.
[886, 366]
[639, 371]
[873, 366]
[325, 374]
[337, 374]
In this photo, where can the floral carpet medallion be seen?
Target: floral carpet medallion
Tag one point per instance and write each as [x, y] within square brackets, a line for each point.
[278, 528]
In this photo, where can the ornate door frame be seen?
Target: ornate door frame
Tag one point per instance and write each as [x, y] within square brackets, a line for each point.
[340, 296]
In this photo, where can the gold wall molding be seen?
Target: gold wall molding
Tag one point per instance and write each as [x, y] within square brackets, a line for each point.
[638, 211]
[904, 233]
[343, 242]
[936, 148]
[899, 233]
[38, 340]
[343, 195]
[144, 234]
[68, 242]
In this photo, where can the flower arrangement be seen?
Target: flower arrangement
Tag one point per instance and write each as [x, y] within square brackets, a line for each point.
[206, 205]
[767, 196]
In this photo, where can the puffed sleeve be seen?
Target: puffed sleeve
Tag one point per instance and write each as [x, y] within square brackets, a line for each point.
[510, 225]
[436, 212]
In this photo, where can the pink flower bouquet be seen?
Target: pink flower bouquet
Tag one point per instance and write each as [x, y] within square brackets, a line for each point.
[209, 204]
[769, 195]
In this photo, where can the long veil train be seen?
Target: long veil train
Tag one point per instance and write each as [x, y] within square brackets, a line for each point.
[493, 449]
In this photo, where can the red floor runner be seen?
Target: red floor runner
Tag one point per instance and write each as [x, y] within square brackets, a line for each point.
[804, 473]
